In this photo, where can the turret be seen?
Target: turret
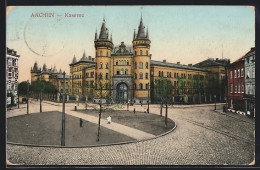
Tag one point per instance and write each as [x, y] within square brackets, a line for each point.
[141, 47]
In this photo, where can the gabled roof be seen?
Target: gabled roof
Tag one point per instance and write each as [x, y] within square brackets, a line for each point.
[173, 65]
[251, 52]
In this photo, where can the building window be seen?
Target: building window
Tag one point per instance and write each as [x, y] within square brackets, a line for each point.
[146, 65]
[106, 76]
[242, 88]
[141, 86]
[146, 86]
[140, 65]
[135, 53]
[106, 65]
[135, 76]
[159, 73]
[134, 86]
[122, 71]
[253, 75]
[238, 73]
[235, 88]
[230, 74]
[107, 53]
[242, 72]
[146, 75]
[87, 74]
[140, 75]
[96, 53]
[101, 53]
[248, 74]
[170, 74]
[247, 59]
[135, 65]
[127, 62]
[116, 62]
[101, 76]
[100, 65]
[235, 74]
[174, 75]
[86, 83]
[146, 52]
[117, 72]
[162, 73]
[238, 88]
[126, 71]
[177, 75]
[92, 74]
[174, 83]
[231, 88]
[141, 52]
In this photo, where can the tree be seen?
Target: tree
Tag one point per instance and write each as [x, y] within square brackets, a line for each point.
[22, 89]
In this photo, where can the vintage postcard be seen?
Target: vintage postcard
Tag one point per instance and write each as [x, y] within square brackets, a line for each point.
[130, 85]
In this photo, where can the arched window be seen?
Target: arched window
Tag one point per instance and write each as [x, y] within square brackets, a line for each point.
[124, 62]
[141, 52]
[146, 86]
[146, 75]
[140, 86]
[135, 65]
[101, 76]
[122, 71]
[116, 62]
[146, 52]
[106, 76]
[106, 65]
[101, 53]
[140, 75]
[140, 65]
[127, 62]
[100, 65]
[117, 72]
[159, 73]
[146, 65]
[126, 71]
[135, 76]
[119, 63]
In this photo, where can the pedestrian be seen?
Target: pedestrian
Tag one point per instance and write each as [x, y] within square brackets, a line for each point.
[134, 110]
[75, 107]
[109, 120]
[80, 122]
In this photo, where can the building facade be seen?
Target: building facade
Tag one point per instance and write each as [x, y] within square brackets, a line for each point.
[236, 85]
[11, 75]
[249, 97]
[126, 72]
[50, 75]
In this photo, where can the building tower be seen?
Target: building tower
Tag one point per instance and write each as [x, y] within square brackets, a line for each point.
[103, 77]
[35, 71]
[141, 49]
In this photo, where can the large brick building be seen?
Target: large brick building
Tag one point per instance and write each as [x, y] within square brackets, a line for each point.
[127, 72]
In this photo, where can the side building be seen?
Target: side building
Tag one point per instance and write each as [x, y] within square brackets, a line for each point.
[11, 75]
[236, 85]
[50, 75]
[249, 97]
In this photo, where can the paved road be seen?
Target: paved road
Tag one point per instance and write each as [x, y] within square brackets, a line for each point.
[203, 137]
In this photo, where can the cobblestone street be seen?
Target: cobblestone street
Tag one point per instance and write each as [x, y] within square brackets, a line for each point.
[202, 137]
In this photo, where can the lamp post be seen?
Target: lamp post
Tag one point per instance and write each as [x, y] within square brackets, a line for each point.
[27, 96]
[63, 114]
[215, 100]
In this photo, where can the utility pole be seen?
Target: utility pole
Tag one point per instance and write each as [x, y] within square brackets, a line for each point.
[27, 97]
[100, 110]
[148, 98]
[63, 114]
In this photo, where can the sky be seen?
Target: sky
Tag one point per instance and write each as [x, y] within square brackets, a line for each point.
[185, 34]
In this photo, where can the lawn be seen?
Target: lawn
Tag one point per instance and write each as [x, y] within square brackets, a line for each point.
[45, 129]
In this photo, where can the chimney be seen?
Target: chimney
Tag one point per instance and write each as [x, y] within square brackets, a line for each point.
[89, 57]
[216, 59]
[164, 61]
[178, 63]
[189, 65]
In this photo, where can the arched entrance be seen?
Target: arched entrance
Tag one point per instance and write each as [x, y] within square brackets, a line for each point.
[122, 92]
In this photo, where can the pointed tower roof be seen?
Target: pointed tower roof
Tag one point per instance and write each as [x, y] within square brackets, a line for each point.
[44, 68]
[54, 69]
[141, 31]
[134, 35]
[35, 66]
[74, 60]
[60, 71]
[84, 58]
[96, 35]
[103, 31]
